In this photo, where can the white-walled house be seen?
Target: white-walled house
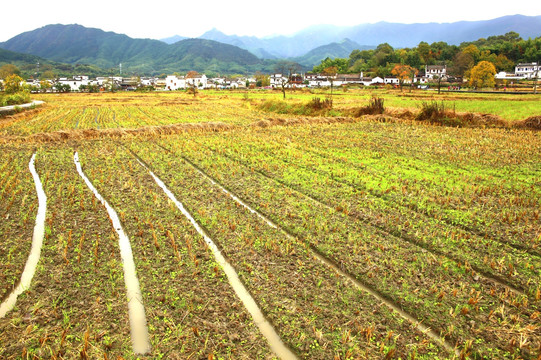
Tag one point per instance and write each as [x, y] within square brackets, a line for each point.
[173, 82]
[435, 71]
[103, 80]
[75, 82]
[420, 79]
[391, 80]
[198, 81]
[276, 80]
[33, 82]
[216, 82]
[528, 70]
[502, 75]
[321, 81]
[377, 80]
[148, 81]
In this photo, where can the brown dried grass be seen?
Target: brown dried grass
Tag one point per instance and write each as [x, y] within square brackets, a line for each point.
[303, 120]
[533, 122]
[90, 134]
[482, 120]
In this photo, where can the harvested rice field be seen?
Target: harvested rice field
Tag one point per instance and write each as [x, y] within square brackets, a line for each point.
[221, 226]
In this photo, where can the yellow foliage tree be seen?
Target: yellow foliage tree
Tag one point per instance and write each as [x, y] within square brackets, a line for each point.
[13, 84]
[482, 75]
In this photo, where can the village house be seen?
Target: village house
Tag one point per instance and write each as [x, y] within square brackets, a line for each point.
[129, 83]
[377, 81]
[502, 75]
[33, 83]
[75, 82]
[197, 81]
[296, 81]
[348, 79]
[174, 82]
[527, 70]
[148, 81]
[391, 80]
[276, 80]
[215, 82]
[103, 81]
[435, 71]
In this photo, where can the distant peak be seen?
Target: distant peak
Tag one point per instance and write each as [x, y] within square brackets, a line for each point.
[213, 31]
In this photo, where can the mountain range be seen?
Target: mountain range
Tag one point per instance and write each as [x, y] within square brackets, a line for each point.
[76, 44]
[395, 34]
[216, 52]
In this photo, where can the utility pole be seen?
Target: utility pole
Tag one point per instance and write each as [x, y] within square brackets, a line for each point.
[536, 77]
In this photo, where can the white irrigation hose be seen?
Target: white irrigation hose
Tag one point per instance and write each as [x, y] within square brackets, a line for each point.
[138, 323]
[37, 241]
[276, 344]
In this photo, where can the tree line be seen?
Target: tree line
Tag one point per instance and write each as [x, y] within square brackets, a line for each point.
[503, 51]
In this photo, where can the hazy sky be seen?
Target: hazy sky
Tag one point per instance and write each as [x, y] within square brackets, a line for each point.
[159, 19]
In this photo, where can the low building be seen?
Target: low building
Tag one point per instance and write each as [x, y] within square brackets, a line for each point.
[199, 81]
[435, 71]
[377, 80]
[148, 81]
[391, 80]
[296, 81]
[75, 82]
[103, 81]
[527, 70]
[502, 75]
[174, 82]
[277, 80]
[129, 84]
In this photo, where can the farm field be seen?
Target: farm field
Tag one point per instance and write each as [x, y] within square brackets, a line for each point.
[79, 112]
[354, 238]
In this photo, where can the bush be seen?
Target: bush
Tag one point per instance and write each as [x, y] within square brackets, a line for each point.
[317, 104]
[280, 107]
[374, 107]
[15, 99]
[434, 111]
[437, 113]
[315, 107]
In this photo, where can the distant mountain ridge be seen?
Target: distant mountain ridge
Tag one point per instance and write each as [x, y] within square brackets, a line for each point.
[340, 49]
[395, 34]
[78, 44]
[173, 39]
[216, 52]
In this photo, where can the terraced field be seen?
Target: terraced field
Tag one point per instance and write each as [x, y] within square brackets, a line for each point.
[326, 239]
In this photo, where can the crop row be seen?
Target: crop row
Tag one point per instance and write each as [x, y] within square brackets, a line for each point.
[18, 206]
[191, 310]
[318, 314]
[505, 213]
[75, 304]
[510, 264]
[447, 294]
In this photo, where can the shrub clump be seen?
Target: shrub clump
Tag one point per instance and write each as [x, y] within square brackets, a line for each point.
[435, 112]
[317, 104]
[315, 107]
[375, 107]
[15, 99]
[432, 111]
